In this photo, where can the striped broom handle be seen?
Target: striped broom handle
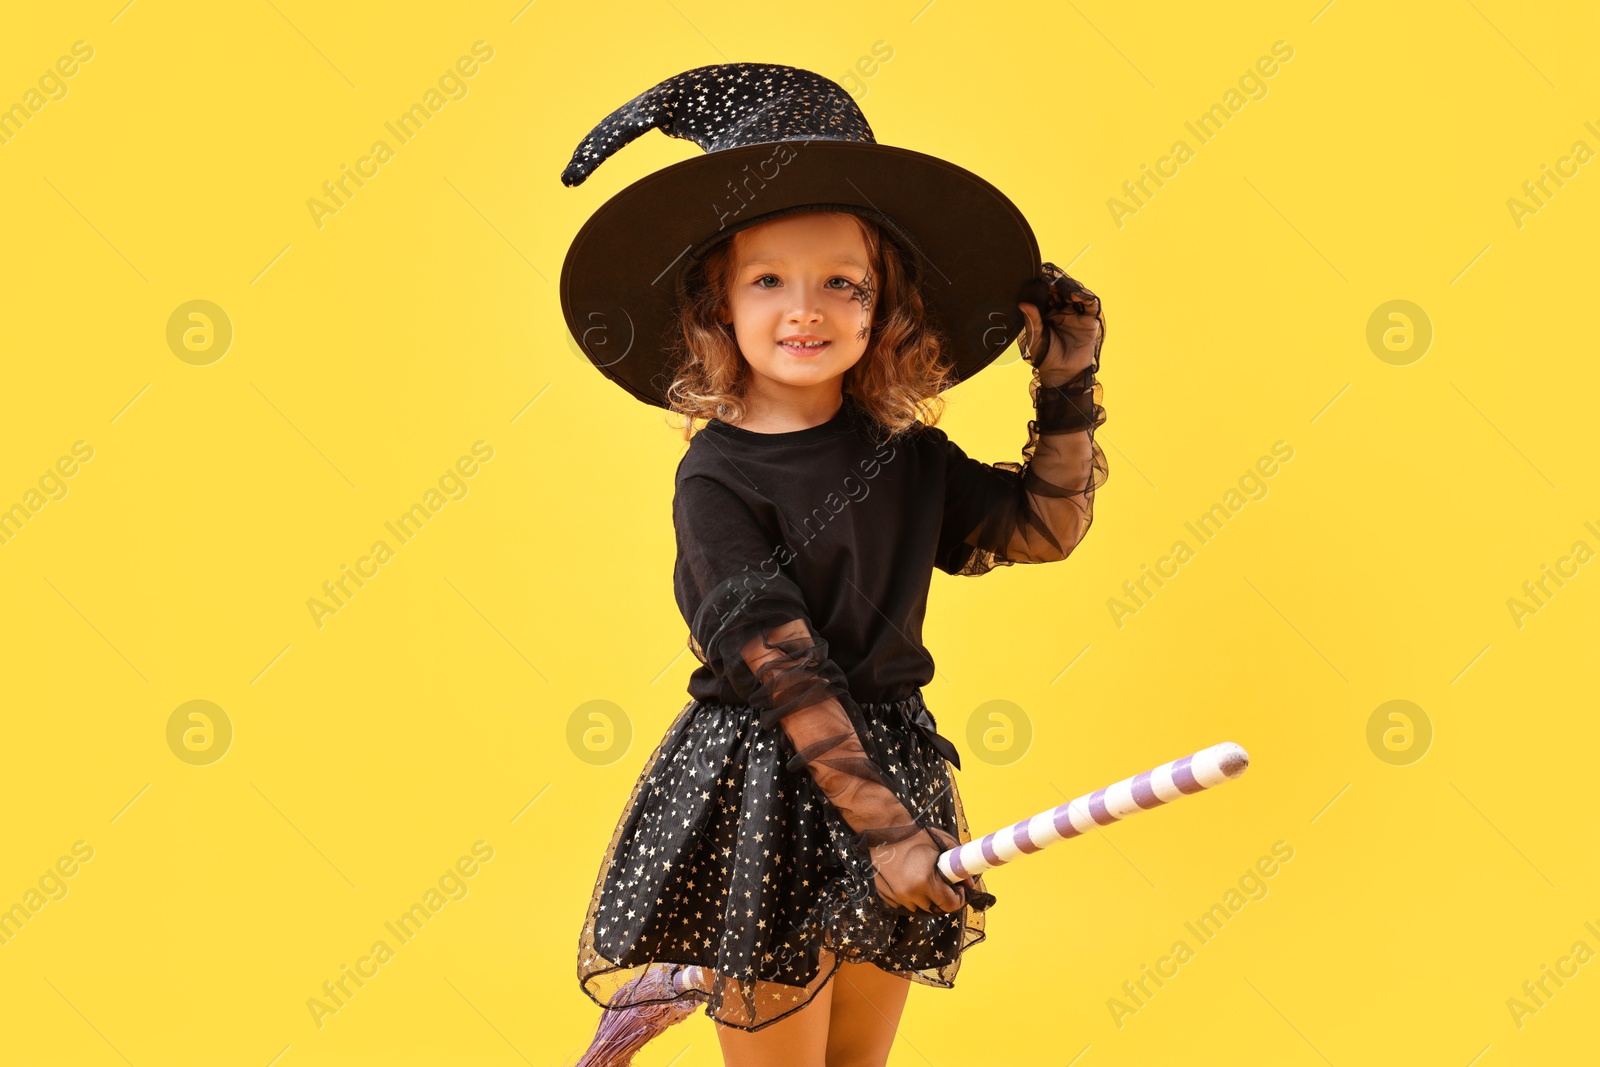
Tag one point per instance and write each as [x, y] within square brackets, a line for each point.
[1148, 789]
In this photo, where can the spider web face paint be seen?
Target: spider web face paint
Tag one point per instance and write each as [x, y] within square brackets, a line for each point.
[866, 295]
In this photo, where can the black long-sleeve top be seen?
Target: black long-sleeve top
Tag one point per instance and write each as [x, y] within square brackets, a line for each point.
[841, 525]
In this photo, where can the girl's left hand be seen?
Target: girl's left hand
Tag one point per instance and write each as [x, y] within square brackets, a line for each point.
[1076, 325]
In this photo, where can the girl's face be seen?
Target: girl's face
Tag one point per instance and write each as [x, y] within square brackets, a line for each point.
[802, 278]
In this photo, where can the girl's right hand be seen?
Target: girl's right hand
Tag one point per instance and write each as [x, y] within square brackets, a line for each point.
[907, 875]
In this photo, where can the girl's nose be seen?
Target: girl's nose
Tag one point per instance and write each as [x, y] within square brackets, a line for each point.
[805, 309]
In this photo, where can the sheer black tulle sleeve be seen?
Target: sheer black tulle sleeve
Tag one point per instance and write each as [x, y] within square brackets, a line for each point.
[749, 623]
[1039, 510]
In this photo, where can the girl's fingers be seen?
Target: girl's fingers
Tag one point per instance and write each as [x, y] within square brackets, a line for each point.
[1033, 337]
[1085, 300]
[1074, 292]
[1031, 314]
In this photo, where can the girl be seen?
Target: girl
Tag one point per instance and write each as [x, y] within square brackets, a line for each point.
[785, 831]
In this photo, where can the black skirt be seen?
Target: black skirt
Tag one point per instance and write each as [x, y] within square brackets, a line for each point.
[726, 859]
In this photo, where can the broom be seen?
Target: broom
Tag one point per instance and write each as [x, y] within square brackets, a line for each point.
[629, 1025]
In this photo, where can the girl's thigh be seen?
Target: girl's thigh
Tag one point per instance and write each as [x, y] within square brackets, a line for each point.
[799, 1040]
[866, 1012]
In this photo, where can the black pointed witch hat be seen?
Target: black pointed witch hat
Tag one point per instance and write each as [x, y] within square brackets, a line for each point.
[778, 139]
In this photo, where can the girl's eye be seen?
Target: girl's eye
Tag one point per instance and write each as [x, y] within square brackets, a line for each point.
[846, 282]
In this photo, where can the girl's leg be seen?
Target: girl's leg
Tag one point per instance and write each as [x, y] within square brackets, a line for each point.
[800, 1040]
[866, 1013]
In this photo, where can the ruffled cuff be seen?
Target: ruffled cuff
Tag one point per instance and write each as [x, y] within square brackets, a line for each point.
[1052, 504]
[1071, 407]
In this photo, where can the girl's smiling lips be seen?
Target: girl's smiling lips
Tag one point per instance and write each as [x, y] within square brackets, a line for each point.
[804, 344]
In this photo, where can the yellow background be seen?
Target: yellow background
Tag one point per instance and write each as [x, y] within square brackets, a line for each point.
[370, 753]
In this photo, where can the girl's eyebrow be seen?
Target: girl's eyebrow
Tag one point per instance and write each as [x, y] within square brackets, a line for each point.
[778, 263]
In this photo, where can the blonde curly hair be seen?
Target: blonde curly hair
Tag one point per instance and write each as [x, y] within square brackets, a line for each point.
[897, 381]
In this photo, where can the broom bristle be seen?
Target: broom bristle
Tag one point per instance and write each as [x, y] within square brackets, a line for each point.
[627, 1026]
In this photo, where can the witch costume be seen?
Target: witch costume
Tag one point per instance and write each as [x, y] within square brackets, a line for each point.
[747, 845]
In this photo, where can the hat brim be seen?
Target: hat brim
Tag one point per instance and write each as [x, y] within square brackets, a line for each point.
[623, 271]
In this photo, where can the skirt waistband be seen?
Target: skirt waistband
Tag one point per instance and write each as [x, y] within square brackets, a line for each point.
[911, 710]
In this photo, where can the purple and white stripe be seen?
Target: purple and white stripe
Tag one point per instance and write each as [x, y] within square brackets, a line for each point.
[692, 977]
[1148, 789]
